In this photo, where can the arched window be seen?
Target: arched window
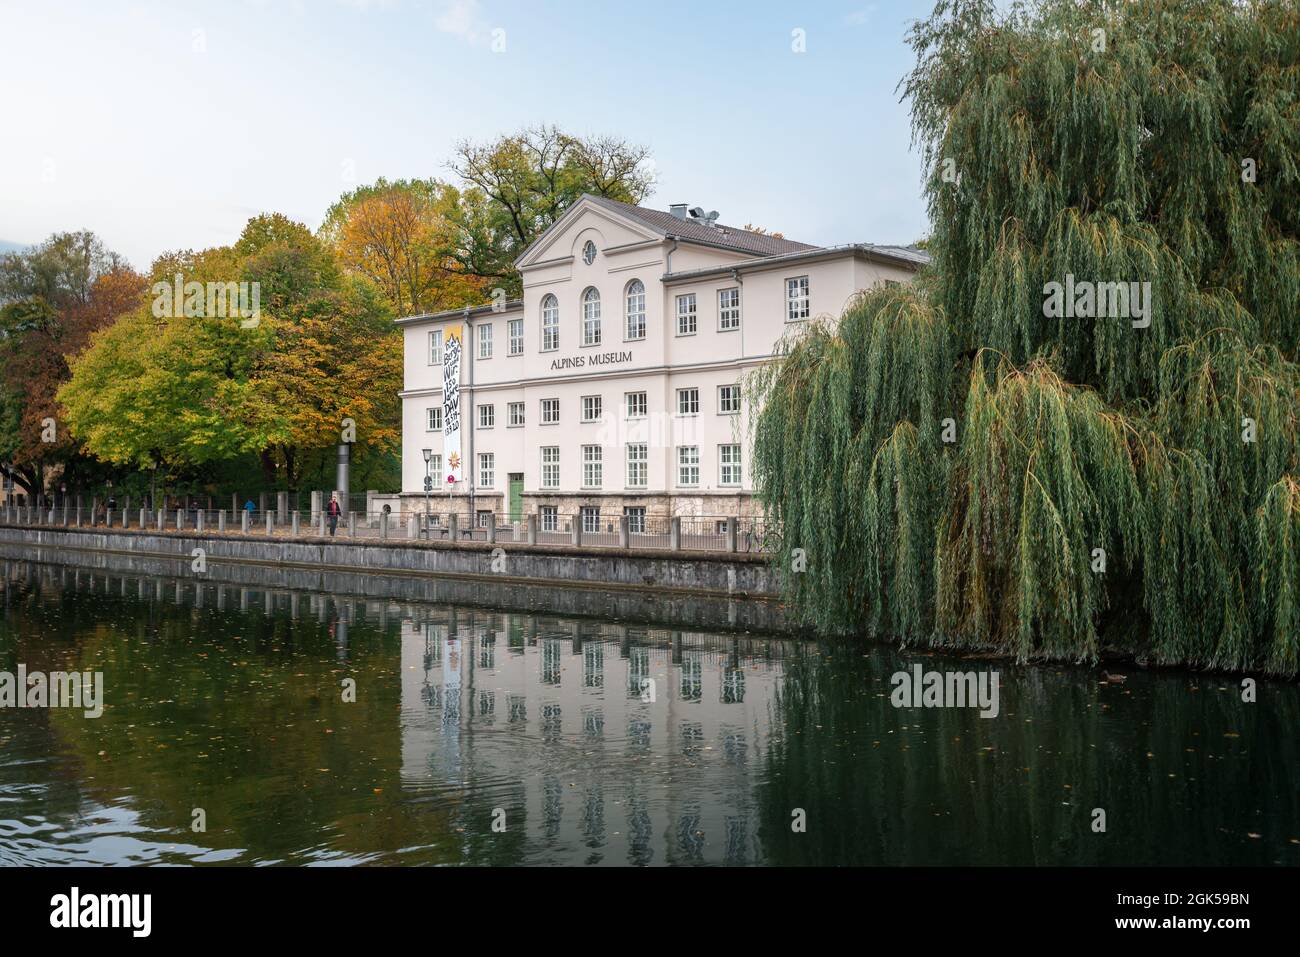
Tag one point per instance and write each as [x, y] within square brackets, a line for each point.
[635, 309]
[591, 317]
[550, 323]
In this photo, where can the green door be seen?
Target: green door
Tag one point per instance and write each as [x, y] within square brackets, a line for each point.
[516, 496]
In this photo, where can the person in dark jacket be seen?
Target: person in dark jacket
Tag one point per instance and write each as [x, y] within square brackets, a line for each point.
[334, 510]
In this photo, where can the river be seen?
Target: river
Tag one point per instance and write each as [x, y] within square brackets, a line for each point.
[260, 725]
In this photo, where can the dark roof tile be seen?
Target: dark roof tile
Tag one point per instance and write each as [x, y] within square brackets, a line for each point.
[692, 230]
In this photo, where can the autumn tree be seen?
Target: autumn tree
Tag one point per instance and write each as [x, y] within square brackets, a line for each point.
[175, 392]
[518, 185]
[401, 236]
[52, 299]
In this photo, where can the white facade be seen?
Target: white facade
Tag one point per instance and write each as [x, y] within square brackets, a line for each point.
[613, 383]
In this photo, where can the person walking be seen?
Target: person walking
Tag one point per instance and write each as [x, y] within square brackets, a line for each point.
[334, 509]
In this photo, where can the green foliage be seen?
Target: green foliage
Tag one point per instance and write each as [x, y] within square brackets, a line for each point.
[1044, 478]
[185, 393]
[1105, 142]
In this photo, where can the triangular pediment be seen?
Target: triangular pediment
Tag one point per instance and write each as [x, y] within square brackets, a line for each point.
[586, 214]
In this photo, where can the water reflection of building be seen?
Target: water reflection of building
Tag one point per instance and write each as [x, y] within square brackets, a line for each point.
[605, 743]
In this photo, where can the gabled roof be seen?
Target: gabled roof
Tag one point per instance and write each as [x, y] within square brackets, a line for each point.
[906, 256]
[692, 230]
[664, 224]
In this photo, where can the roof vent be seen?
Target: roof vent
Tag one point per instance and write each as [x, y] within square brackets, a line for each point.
[678, 210]
[708, 219]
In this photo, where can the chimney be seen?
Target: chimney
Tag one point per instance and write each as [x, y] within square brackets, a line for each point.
[678, 210]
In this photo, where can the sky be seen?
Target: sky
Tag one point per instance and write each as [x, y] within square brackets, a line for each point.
[167, 125]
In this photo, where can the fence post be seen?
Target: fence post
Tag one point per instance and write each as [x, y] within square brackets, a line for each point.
[383, 526]
[532, 529]
[108, 518]
[624, 532]
[575, 529]
[221, 520]
[352, 524]
[243, 520]
[270, 523]
[295, 520]
[321, 524]
[281, 507]
[199, 520]
[142, 519]
[452, 522]
[675, 534]
[492, 528]
[315, 506]
[412, 526]
[731, 534]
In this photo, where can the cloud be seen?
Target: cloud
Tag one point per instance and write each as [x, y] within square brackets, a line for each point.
[461, 18]
[858, 17]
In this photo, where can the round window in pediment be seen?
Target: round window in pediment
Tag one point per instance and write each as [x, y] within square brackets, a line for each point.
[589, 252]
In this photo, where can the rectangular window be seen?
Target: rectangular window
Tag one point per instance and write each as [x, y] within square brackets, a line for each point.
[591, 518]
[728, 464]
[485, 341]
[688, 401]
[688, 465]
[487, 469]
[435, 419]
[796, 299]
[514, 414]
[550, 411]
[484, 519]
[729, 309]
[550, 466]
[515, 332]
[550, 518]
[435, 347]
[728, 399]
[635, 518]
[636, 405]
[591, 408]
[550, 324]
[638, 465]
[487, 416]
[591, 466]
[435, 469]
[686, 324]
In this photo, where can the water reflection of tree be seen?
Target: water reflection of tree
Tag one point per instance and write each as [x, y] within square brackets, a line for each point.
[882, 785]
[242, 715]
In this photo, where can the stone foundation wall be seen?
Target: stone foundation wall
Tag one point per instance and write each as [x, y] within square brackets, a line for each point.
[657, 505]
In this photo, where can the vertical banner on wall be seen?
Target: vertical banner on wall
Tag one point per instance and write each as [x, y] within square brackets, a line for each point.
[451, 352]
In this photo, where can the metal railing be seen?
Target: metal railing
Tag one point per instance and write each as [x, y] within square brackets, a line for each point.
[546, 526]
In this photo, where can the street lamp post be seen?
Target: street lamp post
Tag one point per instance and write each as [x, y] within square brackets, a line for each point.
[428, 487]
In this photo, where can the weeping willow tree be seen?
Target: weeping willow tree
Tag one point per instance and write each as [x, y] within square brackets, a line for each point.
[1080, 428]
